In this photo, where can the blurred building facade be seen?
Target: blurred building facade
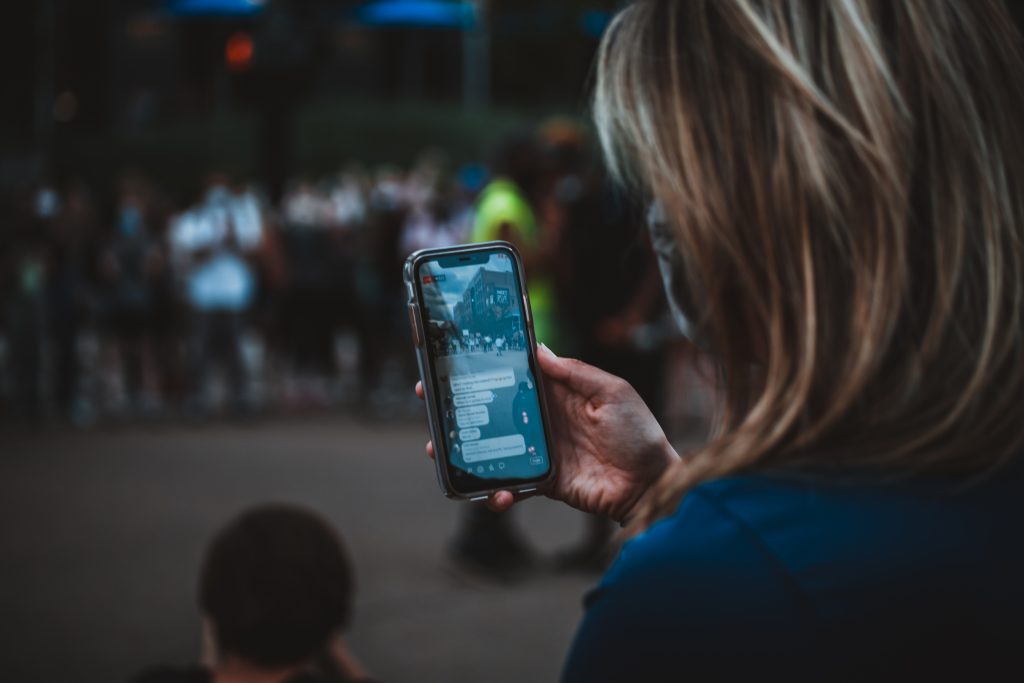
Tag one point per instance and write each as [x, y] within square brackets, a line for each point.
[486, 305]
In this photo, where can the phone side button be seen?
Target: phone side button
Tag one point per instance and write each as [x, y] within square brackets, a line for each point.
[477, 499]
[414, 326]
[526, 309]
[521, 491]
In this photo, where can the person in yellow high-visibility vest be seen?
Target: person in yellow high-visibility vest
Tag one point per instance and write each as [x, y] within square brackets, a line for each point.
[506, 211]
[487, 542]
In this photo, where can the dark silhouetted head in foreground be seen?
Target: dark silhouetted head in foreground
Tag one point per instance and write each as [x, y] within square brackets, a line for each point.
[276, 585]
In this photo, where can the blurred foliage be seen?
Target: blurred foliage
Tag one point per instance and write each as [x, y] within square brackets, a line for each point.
[324, 136]
[178, 155]
[396, 133]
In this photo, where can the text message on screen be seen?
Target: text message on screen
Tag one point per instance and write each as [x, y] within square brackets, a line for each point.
[490, 449]
[483, 381]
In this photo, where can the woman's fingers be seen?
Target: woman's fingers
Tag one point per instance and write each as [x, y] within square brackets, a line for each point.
[500, 501]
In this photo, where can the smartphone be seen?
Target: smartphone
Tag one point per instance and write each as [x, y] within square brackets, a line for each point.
[473, 332]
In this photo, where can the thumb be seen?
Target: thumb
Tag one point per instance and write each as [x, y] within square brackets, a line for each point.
[574, 374]
[549, 363]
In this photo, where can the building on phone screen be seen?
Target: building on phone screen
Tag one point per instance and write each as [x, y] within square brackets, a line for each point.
[489, 307]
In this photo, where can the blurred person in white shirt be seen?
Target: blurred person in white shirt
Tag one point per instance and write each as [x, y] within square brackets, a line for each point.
[211, 244]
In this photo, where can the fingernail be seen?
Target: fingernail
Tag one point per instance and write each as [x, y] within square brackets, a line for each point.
[545, 347]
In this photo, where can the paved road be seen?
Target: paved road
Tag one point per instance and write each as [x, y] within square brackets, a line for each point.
[102, 534]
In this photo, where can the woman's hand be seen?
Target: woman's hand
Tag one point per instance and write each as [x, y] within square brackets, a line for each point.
[608, 448]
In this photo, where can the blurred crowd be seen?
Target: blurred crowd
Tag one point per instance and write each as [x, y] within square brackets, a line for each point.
[230, 303]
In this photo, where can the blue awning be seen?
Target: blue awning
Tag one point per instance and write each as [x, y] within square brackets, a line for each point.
[417, 14]
[215, 8]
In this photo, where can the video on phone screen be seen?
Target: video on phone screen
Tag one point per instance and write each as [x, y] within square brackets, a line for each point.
[475, 332]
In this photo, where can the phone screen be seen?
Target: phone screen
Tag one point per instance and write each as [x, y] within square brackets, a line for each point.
[483, 370]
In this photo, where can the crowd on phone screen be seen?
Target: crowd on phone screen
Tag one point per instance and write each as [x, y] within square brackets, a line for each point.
[229, 303]
[452, 344]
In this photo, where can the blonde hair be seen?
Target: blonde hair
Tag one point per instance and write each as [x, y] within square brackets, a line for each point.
[845, 184]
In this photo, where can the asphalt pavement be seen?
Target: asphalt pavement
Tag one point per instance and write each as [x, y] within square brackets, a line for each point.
[103, 532]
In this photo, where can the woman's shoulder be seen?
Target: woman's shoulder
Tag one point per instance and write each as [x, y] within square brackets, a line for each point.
[712, 541]
[691, 588]
[711, 558]
[769, 524]
[749, 570]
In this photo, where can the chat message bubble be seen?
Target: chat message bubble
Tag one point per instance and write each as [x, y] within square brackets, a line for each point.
[472, 416]
[498, 447]
[469, 434]
[473, 398]
[483, 381]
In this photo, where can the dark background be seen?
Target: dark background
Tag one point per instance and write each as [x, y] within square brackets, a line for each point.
[111, 480]
[93, 87]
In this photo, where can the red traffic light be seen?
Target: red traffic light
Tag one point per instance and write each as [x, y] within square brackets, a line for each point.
[238, 51]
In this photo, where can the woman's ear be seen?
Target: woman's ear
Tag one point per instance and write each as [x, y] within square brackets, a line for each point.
[672, 267]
